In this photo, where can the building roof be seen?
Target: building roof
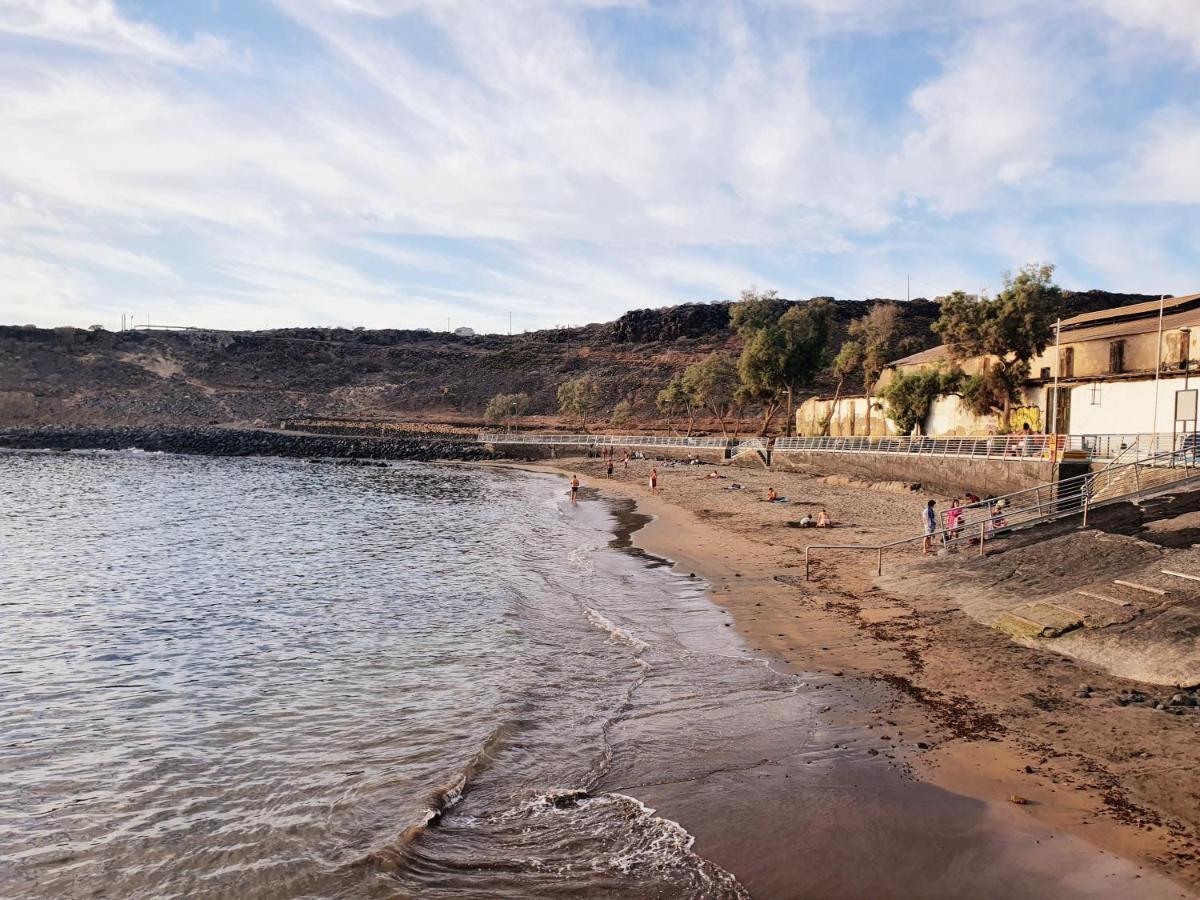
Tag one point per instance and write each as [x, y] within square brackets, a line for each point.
[932, 355]
[1132, 312]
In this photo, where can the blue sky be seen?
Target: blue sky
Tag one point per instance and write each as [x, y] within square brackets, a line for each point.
[401, 163]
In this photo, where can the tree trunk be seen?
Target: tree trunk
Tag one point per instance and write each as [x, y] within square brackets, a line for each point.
[791, 416]
[837, 394]
[691, 420]
[870, 390]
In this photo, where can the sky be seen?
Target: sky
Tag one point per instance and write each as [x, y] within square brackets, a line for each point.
[419, 163]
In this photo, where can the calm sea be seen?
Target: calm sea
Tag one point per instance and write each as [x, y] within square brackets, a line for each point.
[277, 678]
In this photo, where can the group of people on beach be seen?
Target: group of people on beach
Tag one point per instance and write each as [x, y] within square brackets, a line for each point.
[955, 520]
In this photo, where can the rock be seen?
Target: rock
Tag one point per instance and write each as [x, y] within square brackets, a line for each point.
[1085, 687]
[922, 745]
[1020, 801]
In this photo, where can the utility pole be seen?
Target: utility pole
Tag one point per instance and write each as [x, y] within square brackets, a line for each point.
[908, 288]
[1158, 369]
[510, 323]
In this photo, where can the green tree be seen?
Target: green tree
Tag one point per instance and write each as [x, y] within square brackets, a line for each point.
[782, 352]
[622, 414]
[579, 399]
[713, 385]
[502, 409]
[1007, 331]
[910, 396]
[672, 400]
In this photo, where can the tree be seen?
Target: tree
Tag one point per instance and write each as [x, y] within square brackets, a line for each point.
[781, 351]
[673, 399]
[622, 414]
[1007, 330]
[502, 409]
[874, 337]
[847, 362]
[713, 384]
[910, 396]
[579, 398]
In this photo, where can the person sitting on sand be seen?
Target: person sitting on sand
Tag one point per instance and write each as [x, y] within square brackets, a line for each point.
[823, 520]
[806, 521]
[771, 495]
[713, 474]
[574, 488]
[930, 522]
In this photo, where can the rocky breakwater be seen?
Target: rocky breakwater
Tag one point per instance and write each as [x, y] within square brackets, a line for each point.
[216, 441]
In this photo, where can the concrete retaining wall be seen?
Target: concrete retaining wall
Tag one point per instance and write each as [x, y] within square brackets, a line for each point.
[945, 475]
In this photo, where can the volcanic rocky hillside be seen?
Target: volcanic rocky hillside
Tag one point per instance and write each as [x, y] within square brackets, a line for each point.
[72, 376]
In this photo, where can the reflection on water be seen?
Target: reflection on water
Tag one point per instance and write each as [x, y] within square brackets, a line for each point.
[273, 678]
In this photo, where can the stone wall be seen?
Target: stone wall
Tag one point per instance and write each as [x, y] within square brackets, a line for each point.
[944, 475]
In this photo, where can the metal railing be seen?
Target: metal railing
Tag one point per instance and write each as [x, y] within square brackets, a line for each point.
[999, 446]
[606, 440]
[978, 523]
[1007, 447]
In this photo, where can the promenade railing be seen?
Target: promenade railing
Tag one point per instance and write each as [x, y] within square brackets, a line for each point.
[1010, 447]
[978, 523]
[605, 440]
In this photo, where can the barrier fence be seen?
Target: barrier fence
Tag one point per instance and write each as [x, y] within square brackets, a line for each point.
[1011, 447]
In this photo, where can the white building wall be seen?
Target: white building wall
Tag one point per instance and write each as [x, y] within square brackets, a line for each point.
[948, 416]
[1126, 407]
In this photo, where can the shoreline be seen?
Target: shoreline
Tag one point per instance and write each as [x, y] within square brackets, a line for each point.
[952, 746]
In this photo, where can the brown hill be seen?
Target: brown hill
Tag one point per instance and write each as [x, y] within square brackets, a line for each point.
[68, 375]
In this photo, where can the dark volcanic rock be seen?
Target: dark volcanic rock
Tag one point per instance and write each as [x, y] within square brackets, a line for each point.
[213, 441]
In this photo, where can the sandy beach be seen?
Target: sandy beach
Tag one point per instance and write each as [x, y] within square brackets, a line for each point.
[956, 761]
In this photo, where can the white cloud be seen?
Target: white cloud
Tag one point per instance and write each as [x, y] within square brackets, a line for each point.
[99, 25]
[1163, 166]
[997, 117]
[572, 184]
[1177, 21]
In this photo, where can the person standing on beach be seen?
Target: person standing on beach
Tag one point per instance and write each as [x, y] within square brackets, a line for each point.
[654, 481]
[574, 488]
[610, 465]
[625, 460]
[929, 520]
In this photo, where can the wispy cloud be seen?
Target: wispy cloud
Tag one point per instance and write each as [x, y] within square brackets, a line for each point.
[98, 25]
[395, 162]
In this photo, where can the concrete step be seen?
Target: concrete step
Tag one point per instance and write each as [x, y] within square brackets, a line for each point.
[1039, 619]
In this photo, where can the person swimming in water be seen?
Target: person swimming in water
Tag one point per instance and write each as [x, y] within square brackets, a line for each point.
[574, 488]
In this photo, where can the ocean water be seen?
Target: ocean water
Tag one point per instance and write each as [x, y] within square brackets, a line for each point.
[278, 678]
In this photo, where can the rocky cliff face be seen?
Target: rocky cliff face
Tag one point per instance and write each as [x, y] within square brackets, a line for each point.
[73, 376]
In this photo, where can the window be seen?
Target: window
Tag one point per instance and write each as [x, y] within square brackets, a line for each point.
[1066, 363]
[1181, 348]
[1045, 373]
[1116, 357]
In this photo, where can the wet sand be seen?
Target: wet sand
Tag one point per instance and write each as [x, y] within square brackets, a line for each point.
[926, 731]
